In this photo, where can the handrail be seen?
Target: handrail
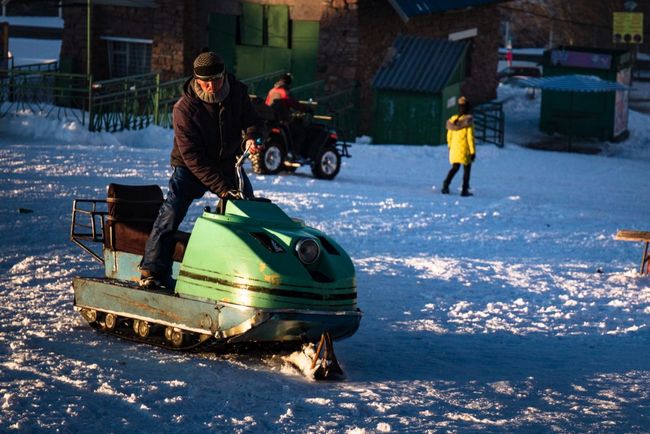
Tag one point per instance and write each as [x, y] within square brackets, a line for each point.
[139, 101]
[489, 123]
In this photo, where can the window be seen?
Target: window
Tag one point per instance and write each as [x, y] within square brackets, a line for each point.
[128, 56]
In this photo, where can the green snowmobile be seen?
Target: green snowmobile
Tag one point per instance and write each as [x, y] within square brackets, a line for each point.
[246, 274]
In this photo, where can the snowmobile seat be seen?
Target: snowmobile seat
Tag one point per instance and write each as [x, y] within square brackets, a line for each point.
[132, 210]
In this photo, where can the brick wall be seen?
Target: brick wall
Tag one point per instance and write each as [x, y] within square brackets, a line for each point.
[73, 44]
[338, 50]
[355, 36]
[173, 28]
[107, 21]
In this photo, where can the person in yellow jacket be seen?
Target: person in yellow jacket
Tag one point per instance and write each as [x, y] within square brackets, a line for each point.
[460, 140]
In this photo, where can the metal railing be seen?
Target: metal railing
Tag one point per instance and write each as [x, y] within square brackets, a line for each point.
[489, 123]
[342, 106]
[48, 94]
[34, 67]
[136, 102]
[260, 84]
[130, 103]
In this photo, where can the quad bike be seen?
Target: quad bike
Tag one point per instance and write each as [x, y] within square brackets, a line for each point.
[246, 274]
[302, 141]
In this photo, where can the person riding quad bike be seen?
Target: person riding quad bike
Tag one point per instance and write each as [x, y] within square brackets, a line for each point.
[282, 102]
[296, 137]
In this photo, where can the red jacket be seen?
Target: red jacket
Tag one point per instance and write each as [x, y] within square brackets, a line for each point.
[280, 99]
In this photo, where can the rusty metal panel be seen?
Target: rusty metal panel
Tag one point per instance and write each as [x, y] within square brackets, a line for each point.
[154, 306]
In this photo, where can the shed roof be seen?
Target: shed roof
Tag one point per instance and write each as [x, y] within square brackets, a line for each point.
[127, 3]
[573, 83]
[419, 64]
[410, 8]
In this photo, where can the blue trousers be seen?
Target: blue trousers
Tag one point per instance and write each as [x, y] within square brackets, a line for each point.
[184, 188]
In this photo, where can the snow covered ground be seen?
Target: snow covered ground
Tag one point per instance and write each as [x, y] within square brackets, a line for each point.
[513, 310]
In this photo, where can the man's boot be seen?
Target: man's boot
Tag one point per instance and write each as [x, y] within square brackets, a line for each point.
[445, 189]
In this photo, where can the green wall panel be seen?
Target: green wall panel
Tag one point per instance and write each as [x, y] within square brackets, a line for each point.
[406, 118]
[221, 37]
[252, 61]
[447, 110]
[252, 24]
[276, 59]
[304, 43]
[278, 26]
[578, 114]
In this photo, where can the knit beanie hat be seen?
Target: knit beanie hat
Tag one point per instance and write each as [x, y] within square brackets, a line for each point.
[208, 65]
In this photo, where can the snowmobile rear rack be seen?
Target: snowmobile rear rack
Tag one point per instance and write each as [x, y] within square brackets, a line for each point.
[92, 229]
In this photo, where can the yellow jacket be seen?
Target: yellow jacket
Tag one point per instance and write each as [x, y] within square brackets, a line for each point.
[460, 139]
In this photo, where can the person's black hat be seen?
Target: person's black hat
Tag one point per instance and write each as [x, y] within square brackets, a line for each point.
[208, 66]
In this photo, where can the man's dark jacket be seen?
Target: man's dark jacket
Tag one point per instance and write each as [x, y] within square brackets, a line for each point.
[207, 137]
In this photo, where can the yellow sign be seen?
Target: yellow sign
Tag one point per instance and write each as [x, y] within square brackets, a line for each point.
[628, 27]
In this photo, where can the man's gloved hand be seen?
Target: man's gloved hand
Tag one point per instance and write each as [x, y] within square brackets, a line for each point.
[472, 157]
[230, 195]
[255, 145]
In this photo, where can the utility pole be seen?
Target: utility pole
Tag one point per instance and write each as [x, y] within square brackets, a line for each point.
[89, 77]
[89, 15]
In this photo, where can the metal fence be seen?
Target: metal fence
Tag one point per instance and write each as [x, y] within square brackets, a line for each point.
[489, 123]
[49, 94]
[132, 103]
[342, 106]
[137, 102]
[260, 84]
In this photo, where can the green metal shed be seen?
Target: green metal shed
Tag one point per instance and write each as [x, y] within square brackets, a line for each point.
[602, 115]
[415, 90]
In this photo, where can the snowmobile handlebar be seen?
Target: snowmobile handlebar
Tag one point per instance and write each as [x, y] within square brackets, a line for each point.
[240, 162]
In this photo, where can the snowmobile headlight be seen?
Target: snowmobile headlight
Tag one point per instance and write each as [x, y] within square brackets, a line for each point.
[308, 250]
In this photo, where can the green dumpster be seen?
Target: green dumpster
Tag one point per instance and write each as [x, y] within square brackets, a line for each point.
[602, 115]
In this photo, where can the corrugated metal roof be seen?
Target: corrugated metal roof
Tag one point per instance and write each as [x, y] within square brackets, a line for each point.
[573, 83]
[126, 3]
[419, 64]
[410, 8]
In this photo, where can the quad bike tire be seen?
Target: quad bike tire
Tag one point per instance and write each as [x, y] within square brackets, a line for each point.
[270, 161]
[326, 163]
